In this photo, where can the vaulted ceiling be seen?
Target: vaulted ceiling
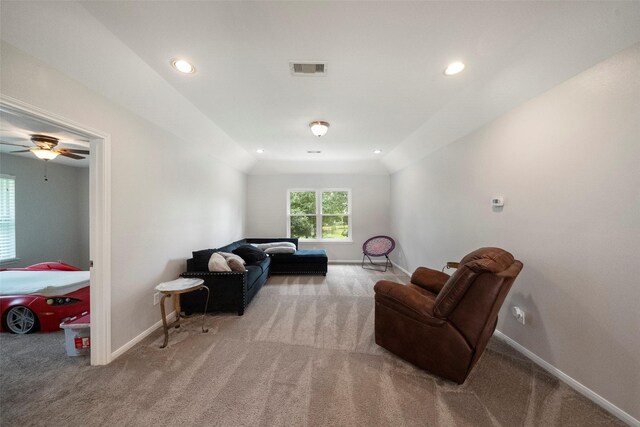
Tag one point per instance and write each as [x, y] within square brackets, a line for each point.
[384, 88]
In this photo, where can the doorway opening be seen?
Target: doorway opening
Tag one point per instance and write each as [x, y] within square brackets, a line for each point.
[38, 121]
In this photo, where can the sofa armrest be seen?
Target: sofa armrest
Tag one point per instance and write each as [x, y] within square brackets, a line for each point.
[407, 301]
[428, 279]
[227, 291]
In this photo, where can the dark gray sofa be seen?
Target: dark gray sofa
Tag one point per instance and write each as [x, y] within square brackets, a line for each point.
[233, 291]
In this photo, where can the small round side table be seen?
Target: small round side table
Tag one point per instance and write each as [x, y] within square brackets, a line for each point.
[173, 289]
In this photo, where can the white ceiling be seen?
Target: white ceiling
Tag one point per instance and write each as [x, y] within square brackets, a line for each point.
[384, 88]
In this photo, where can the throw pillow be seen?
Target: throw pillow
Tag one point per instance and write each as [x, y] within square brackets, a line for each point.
[280, 250]
[201, 259]
[250, 254]
[265, 246]
[217, 263]
[227, 256]
[236, 263]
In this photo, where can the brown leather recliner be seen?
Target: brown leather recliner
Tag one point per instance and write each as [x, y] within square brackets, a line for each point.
[443, 323]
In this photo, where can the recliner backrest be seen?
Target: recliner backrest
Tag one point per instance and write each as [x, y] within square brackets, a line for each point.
[473, 295]
[483, 260]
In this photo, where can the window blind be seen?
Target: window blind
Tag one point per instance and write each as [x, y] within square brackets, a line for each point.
[7, 217]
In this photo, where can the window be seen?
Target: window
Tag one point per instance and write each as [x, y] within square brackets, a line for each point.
[7, 217]
[319, 214]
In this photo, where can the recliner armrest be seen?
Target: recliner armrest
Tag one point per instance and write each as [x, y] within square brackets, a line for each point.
[407, 301]
[428, 279]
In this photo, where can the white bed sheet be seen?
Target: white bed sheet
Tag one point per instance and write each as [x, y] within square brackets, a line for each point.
[46, 283]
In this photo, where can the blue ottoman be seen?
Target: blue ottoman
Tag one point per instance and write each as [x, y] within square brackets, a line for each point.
[303, 261]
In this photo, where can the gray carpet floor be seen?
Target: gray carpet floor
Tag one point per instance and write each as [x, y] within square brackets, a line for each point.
[302, 355]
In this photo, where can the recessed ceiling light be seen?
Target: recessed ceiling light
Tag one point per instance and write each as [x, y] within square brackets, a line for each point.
[377, 151]
[259, 151]
[453, 68]
[183, 66]
[314, 152]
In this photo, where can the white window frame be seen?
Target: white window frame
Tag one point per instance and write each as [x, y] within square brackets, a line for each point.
[318, 214]
[13, 256]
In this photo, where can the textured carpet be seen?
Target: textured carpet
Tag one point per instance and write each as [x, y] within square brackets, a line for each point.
[303, 354]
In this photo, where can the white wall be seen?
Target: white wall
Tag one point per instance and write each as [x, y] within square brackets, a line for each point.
[567, 165]
[83, 214]
[267, 208]
[169, 196]
[49, 221]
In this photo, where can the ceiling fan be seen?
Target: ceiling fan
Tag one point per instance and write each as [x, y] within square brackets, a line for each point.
[46, 148]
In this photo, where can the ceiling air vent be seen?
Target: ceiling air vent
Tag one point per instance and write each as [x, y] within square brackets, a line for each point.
[308, 68]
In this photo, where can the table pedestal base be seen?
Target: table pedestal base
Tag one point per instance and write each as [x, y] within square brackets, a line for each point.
[176, 305]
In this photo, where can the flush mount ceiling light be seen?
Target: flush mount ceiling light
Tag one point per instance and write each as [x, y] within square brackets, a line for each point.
[319, 128]
[259, 151]
[454, 68]
[377, 151]
[183, 66]
[314, 152]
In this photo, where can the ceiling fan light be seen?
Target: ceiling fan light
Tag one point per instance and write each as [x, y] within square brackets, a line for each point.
[319, 128]
[44, 154]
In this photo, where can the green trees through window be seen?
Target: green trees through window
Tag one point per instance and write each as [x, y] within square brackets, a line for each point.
[319, 214]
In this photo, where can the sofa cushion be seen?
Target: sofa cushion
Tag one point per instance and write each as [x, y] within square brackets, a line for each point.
[201, 259]
[271, 240]
[264, 264]
[253, 273]
[265, 246]
[218, 263]
[280, 250]
[250, 254]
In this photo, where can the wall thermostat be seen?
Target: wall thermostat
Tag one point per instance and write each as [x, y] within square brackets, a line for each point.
[497, 201]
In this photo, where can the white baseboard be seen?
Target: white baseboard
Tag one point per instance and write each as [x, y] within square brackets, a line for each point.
[577, 386]
[359, 261]
[402, 269]
[119, 352]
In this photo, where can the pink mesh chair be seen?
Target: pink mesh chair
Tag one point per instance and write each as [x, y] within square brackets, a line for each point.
[378, 246]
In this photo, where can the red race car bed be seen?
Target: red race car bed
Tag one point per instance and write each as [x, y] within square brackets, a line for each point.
[40, 297]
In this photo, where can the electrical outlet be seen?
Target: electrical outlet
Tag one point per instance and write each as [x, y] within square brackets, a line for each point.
[156, 298]
[518, 313]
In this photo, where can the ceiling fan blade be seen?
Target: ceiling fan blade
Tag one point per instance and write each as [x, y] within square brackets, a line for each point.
[73, 150]
[15, 145]
[71, 156]
[21, 151]
[24, 134]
